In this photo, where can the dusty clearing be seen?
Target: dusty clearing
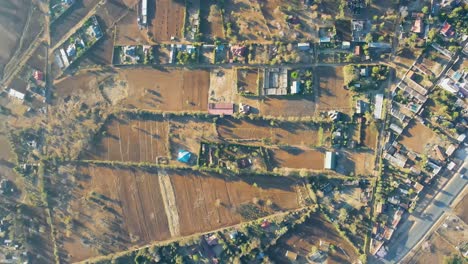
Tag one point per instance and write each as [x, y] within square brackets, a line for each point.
[168, 19]
[281, 133]
[83, 83]
[222, 85]
[246, 19]
[439, 248]
[136, 206]
[166, 90]
[357, 163]
[247, 81]
[127, 31]
[301, 239]
[418, 137]
[297, 158]
[461, 209]
[331, 94]
[211, 24]
[370, 137]
[136, 140]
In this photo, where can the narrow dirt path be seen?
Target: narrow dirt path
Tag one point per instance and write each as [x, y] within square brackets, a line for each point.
[170, 206]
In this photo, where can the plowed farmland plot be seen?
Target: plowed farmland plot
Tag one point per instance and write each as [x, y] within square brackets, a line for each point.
[211, 21]
[116, 208]
[168, 19]
[166, 90]
[296, 158]
[131, 140]
[281, 133]
[331, 94]
[247, 21]
[111, 210]
[213, 202]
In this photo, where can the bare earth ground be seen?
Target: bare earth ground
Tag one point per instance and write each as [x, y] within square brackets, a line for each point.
[222, 85]
[438, 250]
[211, 21]
[301, 239]
[136, 140]
[86, 82]
[332, 95]
[297, 158]
[282, 133]
[168, 19]
[247, 20]
[13, 18]
[462, 209]
[127, 31]
[168, 89]
[418, 137]
[136, 206]
[247, 79]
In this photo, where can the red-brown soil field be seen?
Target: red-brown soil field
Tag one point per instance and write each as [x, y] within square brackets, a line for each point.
[128, 206]
[296, 158]
[166, 90]
[168, 19]
[136, 140]
[331, 94]
[281, 133]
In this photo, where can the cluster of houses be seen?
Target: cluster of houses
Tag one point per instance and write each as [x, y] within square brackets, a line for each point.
[59, 7]
[33, 87]
[409, 100]
[78, 43]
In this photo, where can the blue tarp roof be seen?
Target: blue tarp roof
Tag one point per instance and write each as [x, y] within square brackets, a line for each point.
[184, 156]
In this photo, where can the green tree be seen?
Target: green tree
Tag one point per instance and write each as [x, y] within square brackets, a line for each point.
[425, 10]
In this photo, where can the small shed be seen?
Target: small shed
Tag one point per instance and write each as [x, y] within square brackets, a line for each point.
[330, 160]
[304, 46]
[291, 255]
[295, 87]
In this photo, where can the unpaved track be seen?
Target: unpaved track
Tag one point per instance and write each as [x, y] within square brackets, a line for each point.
[170, 206]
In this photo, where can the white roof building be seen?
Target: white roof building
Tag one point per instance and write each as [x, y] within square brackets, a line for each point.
[16, 94]
[378, 106]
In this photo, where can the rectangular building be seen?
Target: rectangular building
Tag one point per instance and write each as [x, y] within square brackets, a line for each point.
[378, 106]
[330, 160]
